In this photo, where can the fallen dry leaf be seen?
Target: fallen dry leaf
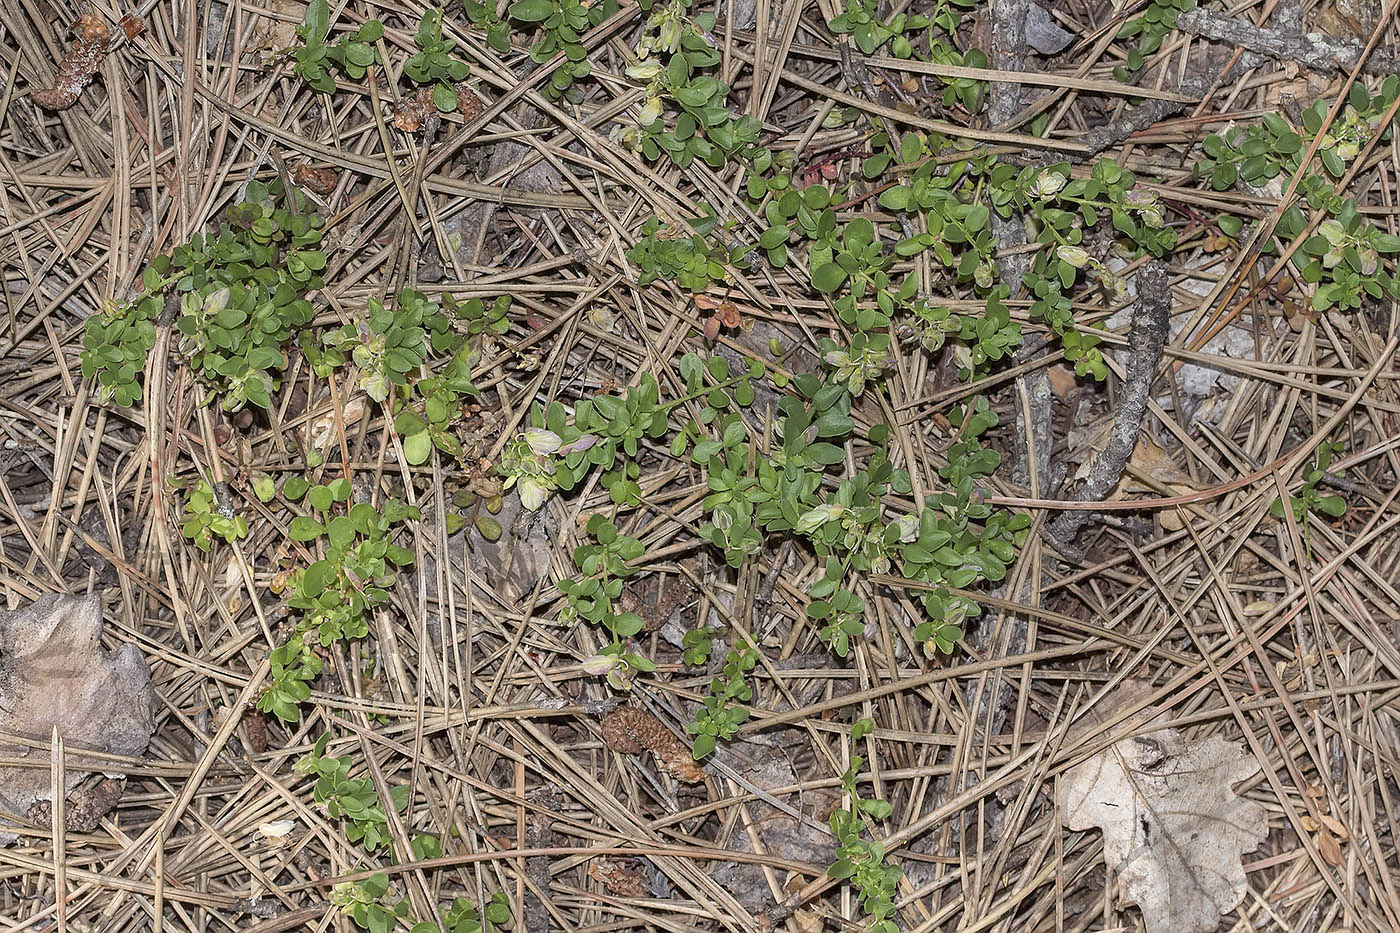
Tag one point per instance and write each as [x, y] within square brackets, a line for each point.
[321, 181]
[1173, 828]
[620, 877]
[55, 674]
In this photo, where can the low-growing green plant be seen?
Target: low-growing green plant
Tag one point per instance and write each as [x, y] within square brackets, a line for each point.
[603, 567]
[335, 594]
[392, 347]
[352, 54]
[720, 716]
[205, 518]
[1061, 210]
[1309, 499]
[562, 24]
[691, 260]
[349, 799]
[117, 340]
[242, 297]
[1341, 262]
[676, 55]
[1153, 25]
[482, 14]
[859, 860]
[369, 904]
[434, 64]
[861, 21]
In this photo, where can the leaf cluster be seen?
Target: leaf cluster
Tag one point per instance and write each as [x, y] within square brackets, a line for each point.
[352, 54]
[434, 62]
[205, 518]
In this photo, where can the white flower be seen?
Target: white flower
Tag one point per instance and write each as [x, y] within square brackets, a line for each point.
[599, 664]
[1138, 199]
[216, 301]
[1074, 255]
[533, 493]
[1047, 183]
[584, 442]
[1332, 230]
[983, 275]
[644, 70]
[542, 441]
[650, 111]
[1370, 261]
[671, 35]
[376, 386]
[276, 829]
[818, 517]
[908, 528]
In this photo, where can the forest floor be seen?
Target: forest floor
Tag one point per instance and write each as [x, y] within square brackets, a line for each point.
[759, 465]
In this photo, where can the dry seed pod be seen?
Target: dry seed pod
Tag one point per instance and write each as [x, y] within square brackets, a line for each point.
[320, 181]
[77, 67]
[629, 730]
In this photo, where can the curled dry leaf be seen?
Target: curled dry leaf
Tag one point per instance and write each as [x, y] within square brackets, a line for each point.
[629, 730]
[320, 181]
[78, 66]
[620, 877]
[55, 674]
[1173, 828]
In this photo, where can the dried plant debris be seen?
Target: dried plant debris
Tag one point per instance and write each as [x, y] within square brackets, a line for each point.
[90, 44]
[630, 730]
[409, 113]
[1173, 828]
[55, 674]
[799, 830]
[620, 877]
[84, 808]
[321, 181]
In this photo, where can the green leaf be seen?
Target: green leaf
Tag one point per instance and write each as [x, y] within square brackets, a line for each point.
[444, 98]
[304, 528]
[531, 11]
[318, 22]
[1332, 505]
[417, 448]
[320, 498]
[828, 278]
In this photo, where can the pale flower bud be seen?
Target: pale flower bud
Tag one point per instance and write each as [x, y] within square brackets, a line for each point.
[533, 493]
[1074, 255]
[818, 517]
[599, 664]
[1138, 199]
[644, 70]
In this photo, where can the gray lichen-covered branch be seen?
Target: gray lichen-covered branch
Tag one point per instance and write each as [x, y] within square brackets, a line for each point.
[1315, 50]
[1150, 323]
